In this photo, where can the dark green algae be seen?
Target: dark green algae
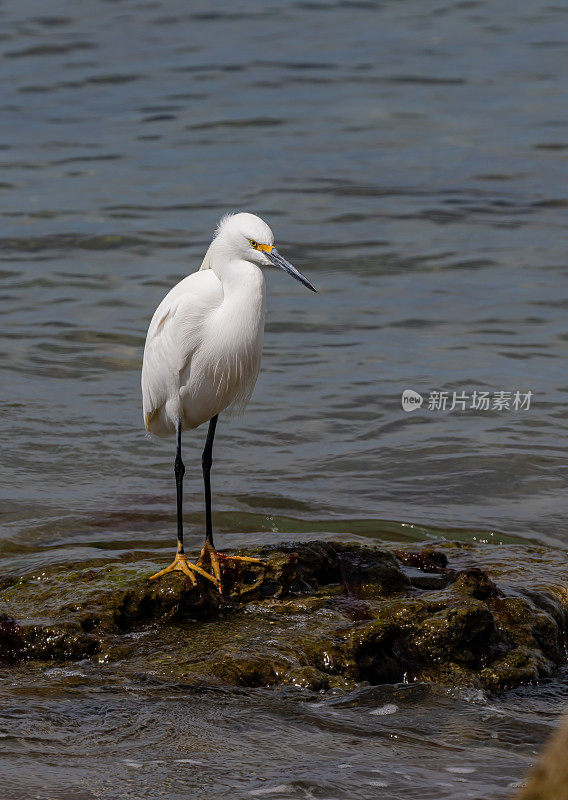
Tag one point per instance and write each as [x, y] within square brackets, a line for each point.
[318, 615]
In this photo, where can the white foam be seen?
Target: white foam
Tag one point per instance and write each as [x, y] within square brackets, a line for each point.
[381, 711]
[460, 770]
[283, 787]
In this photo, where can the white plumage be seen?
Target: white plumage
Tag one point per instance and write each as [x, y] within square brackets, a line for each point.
[204, 342]
[203, 349]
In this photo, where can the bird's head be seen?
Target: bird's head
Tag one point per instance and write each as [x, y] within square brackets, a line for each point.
[248, 237]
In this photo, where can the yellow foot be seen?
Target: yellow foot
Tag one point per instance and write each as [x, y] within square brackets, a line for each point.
[183, 564]
[209, 556]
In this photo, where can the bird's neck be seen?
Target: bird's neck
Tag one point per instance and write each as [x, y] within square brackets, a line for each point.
[235, 274]
[206, 263]
[239, 276]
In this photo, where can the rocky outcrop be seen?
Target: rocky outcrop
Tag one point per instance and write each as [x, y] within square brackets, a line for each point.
[315, 614]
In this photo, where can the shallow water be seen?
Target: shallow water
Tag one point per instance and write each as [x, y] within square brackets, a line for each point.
[411, 159]
[87, 732]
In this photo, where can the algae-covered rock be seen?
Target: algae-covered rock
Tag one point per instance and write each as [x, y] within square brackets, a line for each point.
[11, 640]
[318, 615]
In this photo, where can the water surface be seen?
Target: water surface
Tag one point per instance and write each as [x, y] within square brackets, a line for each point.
[411, 159]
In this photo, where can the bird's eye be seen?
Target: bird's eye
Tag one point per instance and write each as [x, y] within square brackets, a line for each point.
[253, 243]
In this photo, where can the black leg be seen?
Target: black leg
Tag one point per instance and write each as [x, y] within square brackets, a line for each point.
[206, 461]
[179, 471]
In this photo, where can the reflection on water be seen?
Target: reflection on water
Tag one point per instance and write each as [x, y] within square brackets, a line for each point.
[408, 159]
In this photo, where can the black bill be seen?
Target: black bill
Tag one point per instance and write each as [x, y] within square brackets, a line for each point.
[275, 258]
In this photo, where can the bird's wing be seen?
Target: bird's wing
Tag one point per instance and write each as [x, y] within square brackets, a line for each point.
[173, 336]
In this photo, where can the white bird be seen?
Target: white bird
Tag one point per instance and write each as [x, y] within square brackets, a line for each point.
[202, 355]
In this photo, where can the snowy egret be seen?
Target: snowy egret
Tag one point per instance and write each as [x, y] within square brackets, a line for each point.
[202, 355]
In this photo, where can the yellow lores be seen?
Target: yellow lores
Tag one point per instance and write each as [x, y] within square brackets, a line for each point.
[202, 356]
[266, 248]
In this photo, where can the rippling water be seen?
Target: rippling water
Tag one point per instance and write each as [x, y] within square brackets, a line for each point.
[411, 158]
[135, 736]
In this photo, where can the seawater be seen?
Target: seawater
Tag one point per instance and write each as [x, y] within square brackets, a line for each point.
[411, 159]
